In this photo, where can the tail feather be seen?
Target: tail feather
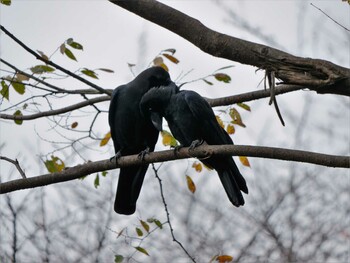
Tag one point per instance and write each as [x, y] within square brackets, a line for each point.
[129, 187]
[230, 185]
[238, 177]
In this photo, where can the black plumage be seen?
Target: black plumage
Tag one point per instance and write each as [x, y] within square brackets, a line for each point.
[191, 121]
[132, 133]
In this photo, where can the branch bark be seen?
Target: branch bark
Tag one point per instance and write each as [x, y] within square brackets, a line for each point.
[319, 75]
[202, 151]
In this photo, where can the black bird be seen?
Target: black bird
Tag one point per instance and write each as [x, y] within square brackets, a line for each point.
[133, 134]
[192, 122]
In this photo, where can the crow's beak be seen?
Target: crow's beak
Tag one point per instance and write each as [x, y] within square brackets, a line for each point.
[157, 121]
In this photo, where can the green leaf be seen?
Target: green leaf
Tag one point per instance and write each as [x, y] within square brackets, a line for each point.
[97, 181]
[222, 77]
[19, 87]
[5, 90]
[106, 70]
[118, 258]
[244, 106]
[145, 225]
[208, 82]
[54, 165]
[104, 173]
[139, 232]
[39, 69]
[89, 73]
[69, 54]
[6, 2]
[18, 113]
[158, 223]
[75, 45]
[142, 250]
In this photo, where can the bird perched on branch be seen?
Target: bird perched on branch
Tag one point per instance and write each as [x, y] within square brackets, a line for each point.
[192, 122]
[133, 134]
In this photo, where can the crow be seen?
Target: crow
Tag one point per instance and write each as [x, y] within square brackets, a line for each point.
[192, 121]
[133, 134]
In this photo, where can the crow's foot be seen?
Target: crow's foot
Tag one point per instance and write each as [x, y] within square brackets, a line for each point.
[142, 154]
[195, 144]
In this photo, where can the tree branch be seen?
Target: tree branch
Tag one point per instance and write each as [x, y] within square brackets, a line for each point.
[16, 163]
[37, 56]
[314, 73]
[55, 112]
[200, 152]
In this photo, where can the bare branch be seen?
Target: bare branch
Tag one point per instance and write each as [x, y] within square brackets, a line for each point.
[202, 151]
[330, 17]
[168, 215]
[55, 112]
[16, 163]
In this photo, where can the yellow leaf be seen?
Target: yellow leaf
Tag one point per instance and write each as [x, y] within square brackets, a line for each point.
[171, 58]
[224, 258]
[220, 121]
[236, 117]
[230, 129]
[244, 161]
[168, 139]
[190, 184]
[105, 140]
[197, 166]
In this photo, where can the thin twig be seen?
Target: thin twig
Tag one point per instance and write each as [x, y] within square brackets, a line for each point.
[168, 215]
[330, 17]
[16, 163]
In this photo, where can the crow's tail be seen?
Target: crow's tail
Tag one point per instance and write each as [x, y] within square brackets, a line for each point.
[129, 187]
[234, 183]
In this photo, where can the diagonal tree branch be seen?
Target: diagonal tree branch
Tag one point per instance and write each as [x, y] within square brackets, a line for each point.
[37, 56]
[320, 75]
[202, 151]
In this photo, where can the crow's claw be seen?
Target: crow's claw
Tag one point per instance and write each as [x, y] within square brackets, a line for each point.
[142, 154]
[115, 157]
[195, 144]
[177, 148]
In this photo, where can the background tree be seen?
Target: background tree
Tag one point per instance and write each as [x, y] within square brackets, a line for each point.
[294, 195]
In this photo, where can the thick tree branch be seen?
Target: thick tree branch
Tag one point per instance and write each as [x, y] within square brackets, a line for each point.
[202, 151]
[55, 112]
[314, 73]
